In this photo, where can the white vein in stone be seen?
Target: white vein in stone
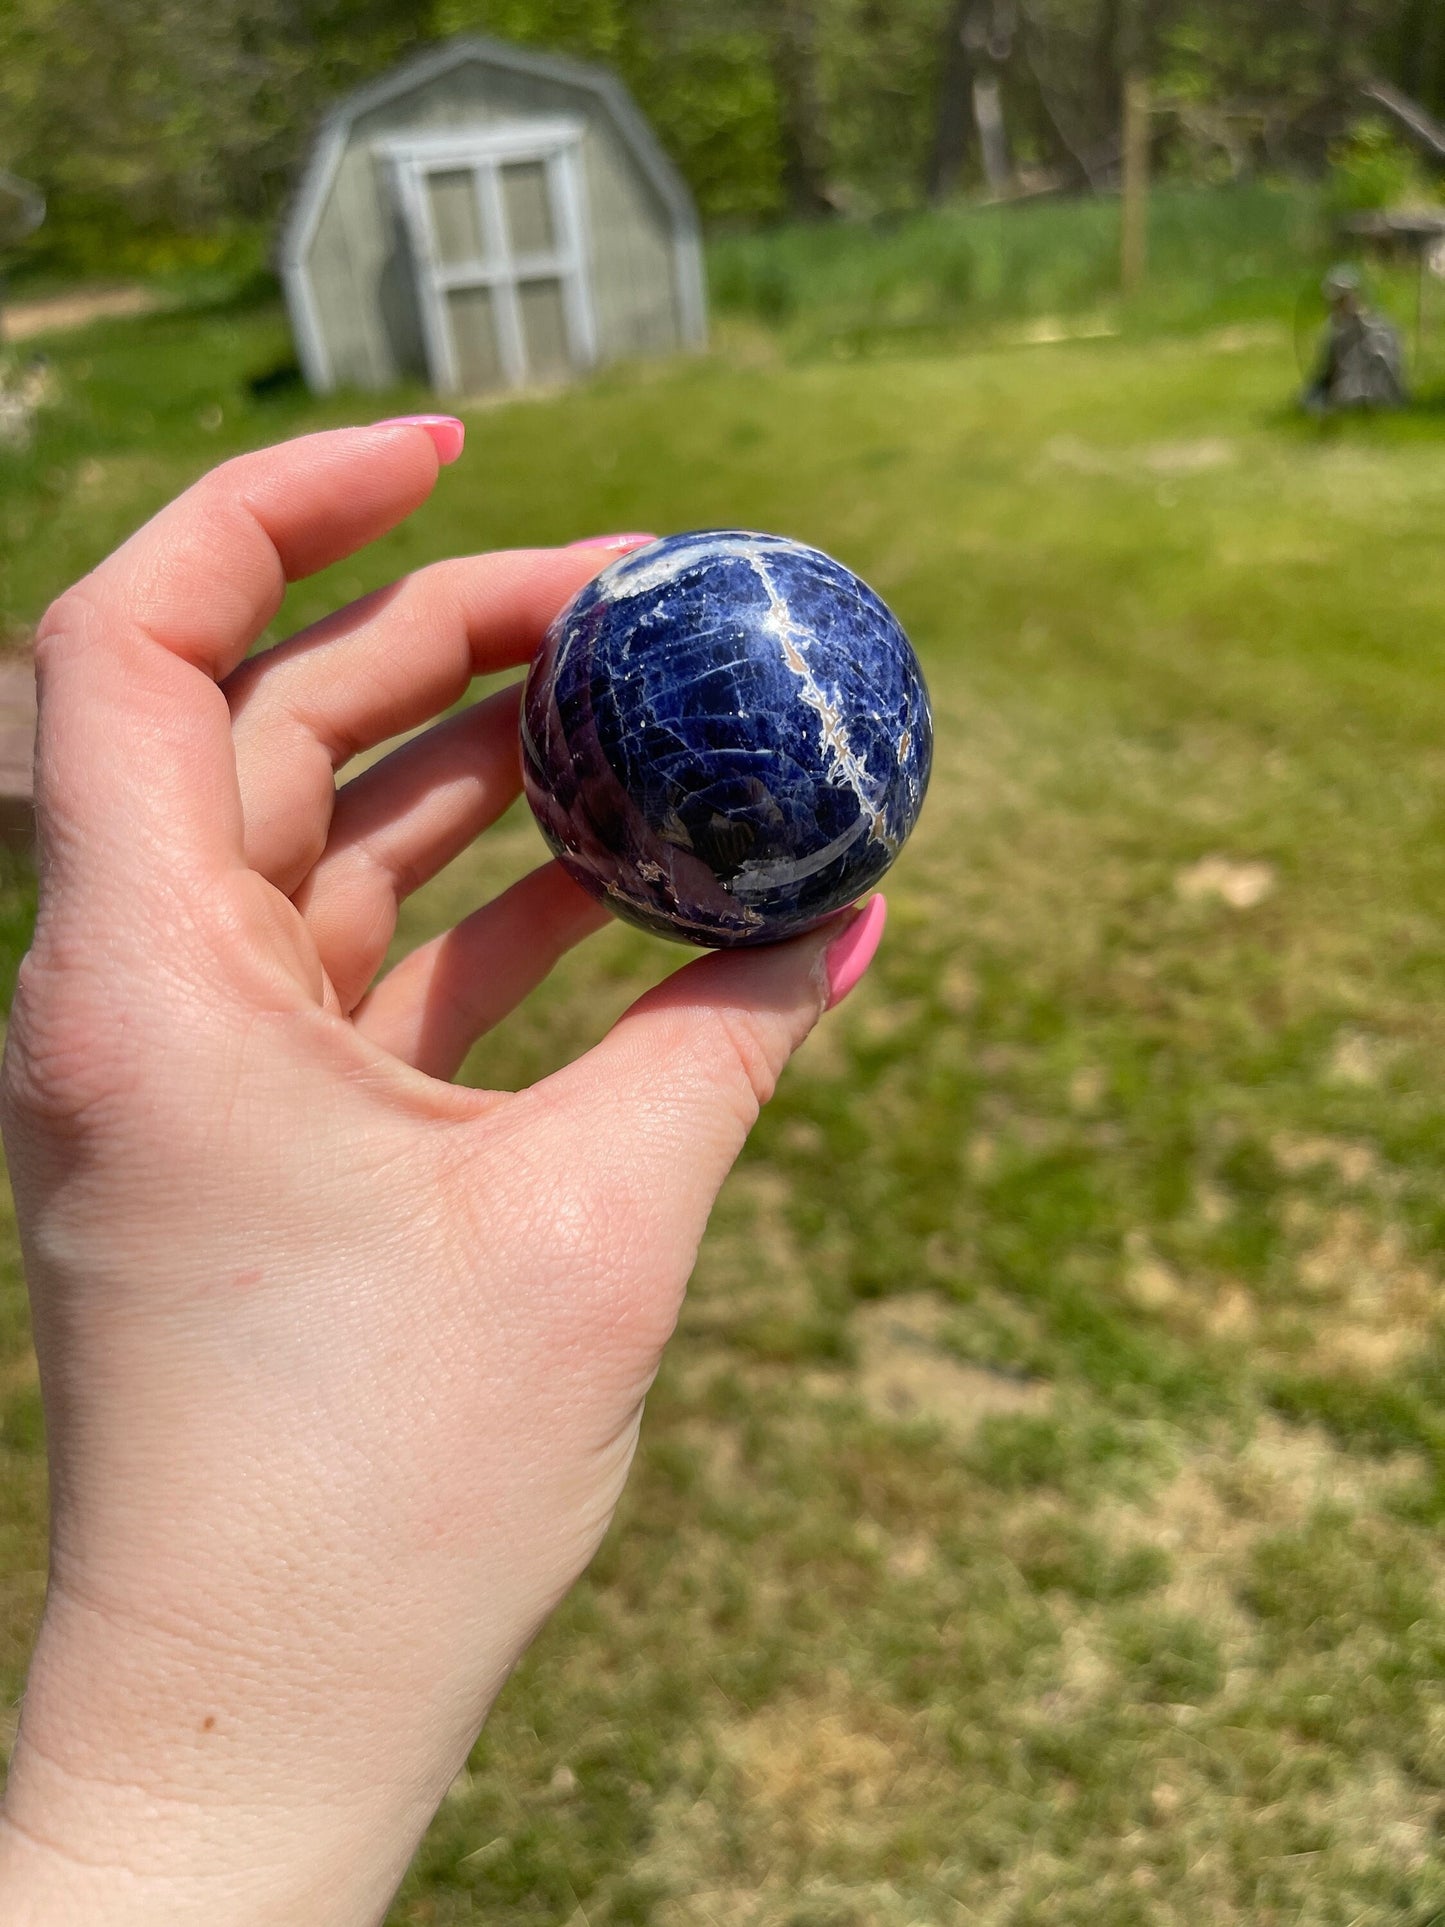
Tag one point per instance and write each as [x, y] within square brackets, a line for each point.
[843, 760]
[643, 574]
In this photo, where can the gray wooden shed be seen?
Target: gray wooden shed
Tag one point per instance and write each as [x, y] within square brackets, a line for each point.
[487, 217]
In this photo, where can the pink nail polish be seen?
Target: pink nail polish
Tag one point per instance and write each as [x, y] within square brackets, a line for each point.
[447, 433]
[612, 542]
[850, 954]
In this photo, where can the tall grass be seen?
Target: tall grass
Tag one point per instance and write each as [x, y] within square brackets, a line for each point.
[1215, 255]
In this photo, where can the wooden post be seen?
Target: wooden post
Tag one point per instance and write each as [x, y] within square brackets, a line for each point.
[992, 134]
[1136, 182]
[1424, 266]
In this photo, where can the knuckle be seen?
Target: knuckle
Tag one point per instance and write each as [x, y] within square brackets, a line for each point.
[391, 872]
[64, 1066]
[221, 487]
[750, 1065]
[352, 927]
[242, 685]
[603, 1283]
[63, 626]
[306, 842]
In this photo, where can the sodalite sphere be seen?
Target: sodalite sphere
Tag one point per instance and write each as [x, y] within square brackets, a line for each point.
[726, 737]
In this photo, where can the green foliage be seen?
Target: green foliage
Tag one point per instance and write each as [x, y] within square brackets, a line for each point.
[1373, 168]
[705, 79]
[151, 136]
[1241, 253]
[154, 135]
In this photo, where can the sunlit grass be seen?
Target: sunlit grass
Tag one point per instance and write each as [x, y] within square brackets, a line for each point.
[1037, 1517]
[1215, 256]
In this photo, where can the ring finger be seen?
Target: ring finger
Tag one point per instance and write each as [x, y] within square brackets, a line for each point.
[397, 825]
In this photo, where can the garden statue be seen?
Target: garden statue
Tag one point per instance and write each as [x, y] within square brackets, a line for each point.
[1362, 361]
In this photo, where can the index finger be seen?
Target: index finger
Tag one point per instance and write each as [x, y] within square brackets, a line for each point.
[134, 745]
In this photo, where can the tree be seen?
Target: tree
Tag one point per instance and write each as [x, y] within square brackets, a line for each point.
[802, 136]
[149, 116]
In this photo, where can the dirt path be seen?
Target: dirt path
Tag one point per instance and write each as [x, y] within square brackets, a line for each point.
[21, 320]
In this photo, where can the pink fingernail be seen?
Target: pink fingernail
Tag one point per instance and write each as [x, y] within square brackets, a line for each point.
[612, 542]
[849, 955]
[447, 433]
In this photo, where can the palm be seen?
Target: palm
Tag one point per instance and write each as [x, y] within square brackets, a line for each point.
[315, 1326]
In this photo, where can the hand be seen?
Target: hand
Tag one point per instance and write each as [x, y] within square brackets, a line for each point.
[342, 1364]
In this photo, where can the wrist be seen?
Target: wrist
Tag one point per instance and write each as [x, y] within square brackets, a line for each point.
[73, 1851]
[126, 1803]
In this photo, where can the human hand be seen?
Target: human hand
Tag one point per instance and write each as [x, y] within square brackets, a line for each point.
[343, 1365]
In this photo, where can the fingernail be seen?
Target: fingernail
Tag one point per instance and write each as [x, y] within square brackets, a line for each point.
[612, 542]
[447, 433]
[850, 954]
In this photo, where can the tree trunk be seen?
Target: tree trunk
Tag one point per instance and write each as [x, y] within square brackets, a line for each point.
[1132, 29]
[992, 132]
[1341, 43]
[953, 117]
[801, 133]
[1137, 131]
[1109, 64]
[1421, 65]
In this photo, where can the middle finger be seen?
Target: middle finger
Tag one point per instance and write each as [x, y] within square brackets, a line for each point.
[400, 822]
[383, 665]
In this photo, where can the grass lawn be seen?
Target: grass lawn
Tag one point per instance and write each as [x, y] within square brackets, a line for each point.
[1037, 1520]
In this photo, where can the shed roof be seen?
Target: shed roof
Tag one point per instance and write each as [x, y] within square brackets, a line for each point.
[329, 146]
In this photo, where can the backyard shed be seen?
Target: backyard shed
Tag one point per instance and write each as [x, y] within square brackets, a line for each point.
[488, 217]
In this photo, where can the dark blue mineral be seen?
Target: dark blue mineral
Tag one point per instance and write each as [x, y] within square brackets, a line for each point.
[726, 737]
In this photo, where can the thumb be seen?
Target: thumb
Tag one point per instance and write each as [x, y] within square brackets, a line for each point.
[661, 1107]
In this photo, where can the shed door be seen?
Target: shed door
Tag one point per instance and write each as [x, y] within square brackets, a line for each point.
[496, 229]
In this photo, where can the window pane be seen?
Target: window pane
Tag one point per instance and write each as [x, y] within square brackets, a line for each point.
[473, 319]
[454, 217]
[544, 329]
[529, 208]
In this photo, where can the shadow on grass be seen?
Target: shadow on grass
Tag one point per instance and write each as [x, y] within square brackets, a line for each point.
[1423, 415]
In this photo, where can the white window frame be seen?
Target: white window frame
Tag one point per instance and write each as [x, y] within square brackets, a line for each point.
[482, 153]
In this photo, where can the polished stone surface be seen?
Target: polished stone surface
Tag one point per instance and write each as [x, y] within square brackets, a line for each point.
[726, 737]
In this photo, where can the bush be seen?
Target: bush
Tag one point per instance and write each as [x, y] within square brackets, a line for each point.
[1372, 168]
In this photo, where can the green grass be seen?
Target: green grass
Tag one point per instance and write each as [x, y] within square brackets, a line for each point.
[1215, 256]
[1037, 1517]
[1047, 268]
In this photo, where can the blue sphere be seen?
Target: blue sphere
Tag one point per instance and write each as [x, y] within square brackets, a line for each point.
[726, 737]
